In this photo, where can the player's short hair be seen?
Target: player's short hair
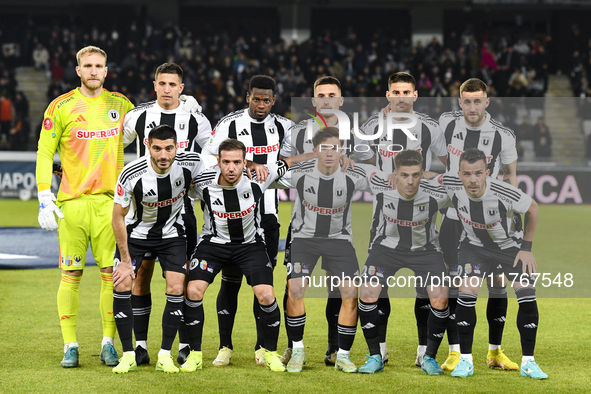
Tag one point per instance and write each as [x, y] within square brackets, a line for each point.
[408, 157]
[90, 50]
[232, 144]
[324, 134]
[162, 132]
[401, 77]
[262, 82]
[473, 85]
[169, 68]
[472, 155]
[327, 80]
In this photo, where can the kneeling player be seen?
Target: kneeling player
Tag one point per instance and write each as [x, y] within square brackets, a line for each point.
[485, 208]
[155, 186]
[405, 237]
[231, 237]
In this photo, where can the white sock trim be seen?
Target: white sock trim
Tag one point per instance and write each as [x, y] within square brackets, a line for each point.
[469, 357]
[298, 345]
[69, 345]
[143, 344]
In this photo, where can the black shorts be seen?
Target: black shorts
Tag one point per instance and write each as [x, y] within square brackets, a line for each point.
[338, 257]
[209, 259]
[449, 239]
[481, 262]
[171, 252]
[383, 263]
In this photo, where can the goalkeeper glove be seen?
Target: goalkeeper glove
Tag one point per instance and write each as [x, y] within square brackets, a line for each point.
[47, 208]
[190, 104]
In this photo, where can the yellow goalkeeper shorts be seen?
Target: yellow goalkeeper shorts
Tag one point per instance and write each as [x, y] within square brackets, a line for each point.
[86, 218]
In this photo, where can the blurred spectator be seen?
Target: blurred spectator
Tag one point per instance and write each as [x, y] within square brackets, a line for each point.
[6, 116]
[41, 57]
[542, 140]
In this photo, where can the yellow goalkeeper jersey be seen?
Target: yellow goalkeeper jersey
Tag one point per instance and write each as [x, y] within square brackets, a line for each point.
[87, 134]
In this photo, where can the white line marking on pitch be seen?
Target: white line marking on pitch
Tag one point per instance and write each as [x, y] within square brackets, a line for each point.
[5, 256]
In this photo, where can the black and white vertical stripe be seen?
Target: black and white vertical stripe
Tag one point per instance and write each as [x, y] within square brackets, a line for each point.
[488, 220]
[157, 199]
[193, 129]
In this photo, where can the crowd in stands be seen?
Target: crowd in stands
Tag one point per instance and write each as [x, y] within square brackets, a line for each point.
[218, 67]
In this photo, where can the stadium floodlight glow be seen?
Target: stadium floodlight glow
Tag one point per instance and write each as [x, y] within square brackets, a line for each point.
[345, 125]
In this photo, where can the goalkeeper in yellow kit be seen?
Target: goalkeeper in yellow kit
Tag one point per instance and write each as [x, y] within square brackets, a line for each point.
[85, 127]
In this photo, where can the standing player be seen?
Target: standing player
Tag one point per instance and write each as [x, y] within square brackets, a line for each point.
[84, 125]
[485, 207]
[406, 237]
[321, 227]
[327, 95]
[155, 185]
[264, 134]
[231, 236]
[402, 94]
[473, 127]
[193, 130]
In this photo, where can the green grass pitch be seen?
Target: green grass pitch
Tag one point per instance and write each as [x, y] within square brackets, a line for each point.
[31, 341]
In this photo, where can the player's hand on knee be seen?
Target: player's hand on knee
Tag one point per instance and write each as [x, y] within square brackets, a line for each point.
[190, 104]
[528, 262]
[47, 209]
[122, 270]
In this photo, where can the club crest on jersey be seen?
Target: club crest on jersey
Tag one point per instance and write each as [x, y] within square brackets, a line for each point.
[182, 126]
[485, 141]
[491, 212]
[339, 192]
[113, 115]
[246, 195]
[178, 182]
[421, 208]
[272, 130]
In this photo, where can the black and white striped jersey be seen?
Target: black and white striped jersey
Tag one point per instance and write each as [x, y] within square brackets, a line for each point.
[263, 139]
[322, 208]
[231, 213]
[156, 199]
[429, 140]
[407, 225]
[193, 129]
[301, 142]
[495, 140]
[488, 221]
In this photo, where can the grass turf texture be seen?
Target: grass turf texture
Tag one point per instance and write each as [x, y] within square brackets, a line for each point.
[32, 345]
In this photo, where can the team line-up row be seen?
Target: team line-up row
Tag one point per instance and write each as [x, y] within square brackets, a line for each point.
[152, 216]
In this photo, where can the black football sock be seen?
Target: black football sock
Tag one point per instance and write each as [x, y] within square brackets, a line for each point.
[437, 324]
[384, 309]
[527, 319]
[270, 321]
[466, 320]
[346, 336]
[452, 328]
[142, 307]
[289, 337]
[173, 311]
[194, 317]
[333, 308]
[422, 312]
[496, 311]
[226, 305]
[123, 313]
[369, 319]
[296, 327]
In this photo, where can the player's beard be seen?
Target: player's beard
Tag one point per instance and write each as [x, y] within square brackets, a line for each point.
[93, 84]
[159, 164]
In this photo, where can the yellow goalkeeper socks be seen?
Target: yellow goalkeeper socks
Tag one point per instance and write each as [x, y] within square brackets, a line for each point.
[109, 327]
[68, 303]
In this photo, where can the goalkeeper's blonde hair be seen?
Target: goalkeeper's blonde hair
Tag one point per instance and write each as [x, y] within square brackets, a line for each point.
[90, 50]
